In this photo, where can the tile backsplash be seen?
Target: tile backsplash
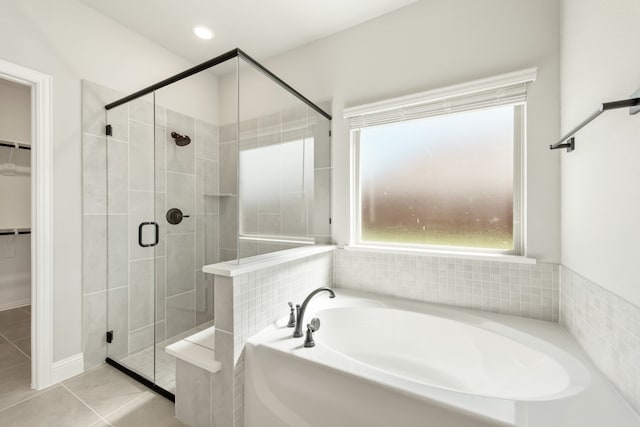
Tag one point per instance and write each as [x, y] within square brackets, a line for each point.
[260, 298]
[608, 329]
[527, 290]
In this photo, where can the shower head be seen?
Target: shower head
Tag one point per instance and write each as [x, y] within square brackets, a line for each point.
[181, 140]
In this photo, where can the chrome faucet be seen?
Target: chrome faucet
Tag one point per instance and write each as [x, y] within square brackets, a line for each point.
[297, 333]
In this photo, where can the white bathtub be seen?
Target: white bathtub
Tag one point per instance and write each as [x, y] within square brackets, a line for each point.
[385, 362]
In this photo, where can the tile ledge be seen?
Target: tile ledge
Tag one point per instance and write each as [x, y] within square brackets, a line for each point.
[443, 254]
[259, 262]
[195, 354]
[204, 338]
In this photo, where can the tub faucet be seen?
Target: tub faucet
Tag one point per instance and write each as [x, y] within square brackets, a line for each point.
[297, 333]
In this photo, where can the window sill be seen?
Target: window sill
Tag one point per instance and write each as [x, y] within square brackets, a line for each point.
[443, 254]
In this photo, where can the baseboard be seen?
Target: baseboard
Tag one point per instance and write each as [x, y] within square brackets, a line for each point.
[67, 368]
[16, 304]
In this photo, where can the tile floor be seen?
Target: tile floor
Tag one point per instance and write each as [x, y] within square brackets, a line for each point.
[102, 396]
[163, 369]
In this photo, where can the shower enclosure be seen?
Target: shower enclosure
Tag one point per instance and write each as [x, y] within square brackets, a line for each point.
[187, 187]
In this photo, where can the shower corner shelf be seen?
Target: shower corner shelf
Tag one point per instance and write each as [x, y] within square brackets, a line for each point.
[219, 195]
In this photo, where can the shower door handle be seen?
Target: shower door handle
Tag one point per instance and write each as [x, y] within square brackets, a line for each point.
[141, 226]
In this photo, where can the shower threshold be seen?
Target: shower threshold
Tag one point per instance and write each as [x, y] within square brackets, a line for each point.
[142, 380]
[155, 362]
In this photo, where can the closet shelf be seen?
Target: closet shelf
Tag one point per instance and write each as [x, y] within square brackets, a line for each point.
[14, 144]
[14, 231]
[219, 195]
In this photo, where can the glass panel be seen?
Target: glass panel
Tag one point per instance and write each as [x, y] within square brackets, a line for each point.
[319, 128]
[188, 194]
[444, 181]
[280, 167]
[131, 235]
[228, 163]
[173, 167]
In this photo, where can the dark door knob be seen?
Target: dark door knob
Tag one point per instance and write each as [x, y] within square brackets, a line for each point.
[175, 215]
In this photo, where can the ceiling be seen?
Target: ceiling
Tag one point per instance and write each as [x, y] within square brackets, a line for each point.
[262, 28]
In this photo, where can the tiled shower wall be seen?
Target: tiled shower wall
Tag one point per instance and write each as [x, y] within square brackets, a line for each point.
[527, 290]
[607, 327]
[118, 278]
[296, 211]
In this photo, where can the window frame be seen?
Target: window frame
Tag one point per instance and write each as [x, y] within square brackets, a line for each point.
[519, 196]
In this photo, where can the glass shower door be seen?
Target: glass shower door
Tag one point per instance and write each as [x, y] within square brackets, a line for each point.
[188, 196]
[135, 254]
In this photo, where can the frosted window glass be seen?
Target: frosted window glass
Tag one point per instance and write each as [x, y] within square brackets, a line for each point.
[445, 180]
[276, 181]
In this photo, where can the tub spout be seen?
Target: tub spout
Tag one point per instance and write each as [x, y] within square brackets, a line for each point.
[297, 333]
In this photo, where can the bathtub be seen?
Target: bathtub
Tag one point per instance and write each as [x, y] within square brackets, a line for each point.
[387, 362]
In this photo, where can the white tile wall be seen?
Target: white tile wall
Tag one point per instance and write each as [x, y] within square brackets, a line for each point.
[527, 290]
[607, 327]
[258, 299]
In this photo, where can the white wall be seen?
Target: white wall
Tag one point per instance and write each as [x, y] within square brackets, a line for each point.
[600, 191]
[15, 195]
[431, 44]
[72, 42]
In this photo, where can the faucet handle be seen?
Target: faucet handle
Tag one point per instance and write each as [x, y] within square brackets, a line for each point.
[308, 339]
[292, 316]
[314, 325]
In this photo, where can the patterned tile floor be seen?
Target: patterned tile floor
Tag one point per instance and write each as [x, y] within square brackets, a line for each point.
[102, 396]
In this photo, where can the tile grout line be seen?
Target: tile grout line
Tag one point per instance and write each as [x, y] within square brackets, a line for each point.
[144, 393]
[18, 348]
[181, 293]
[87, 405]
[36, 394]
[2, 371]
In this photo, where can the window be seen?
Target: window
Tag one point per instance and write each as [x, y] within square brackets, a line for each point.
[441, 174]
[276, 191]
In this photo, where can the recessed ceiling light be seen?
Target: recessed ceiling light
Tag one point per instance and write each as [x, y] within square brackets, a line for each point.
[203, 32]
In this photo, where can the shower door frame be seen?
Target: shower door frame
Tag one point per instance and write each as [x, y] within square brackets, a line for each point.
[137, 237]
[237, 52]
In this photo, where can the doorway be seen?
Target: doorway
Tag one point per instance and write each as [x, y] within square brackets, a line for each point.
[15, 230]
[30, 224]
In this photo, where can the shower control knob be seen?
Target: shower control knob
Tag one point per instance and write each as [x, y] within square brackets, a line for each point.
[175, 216]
